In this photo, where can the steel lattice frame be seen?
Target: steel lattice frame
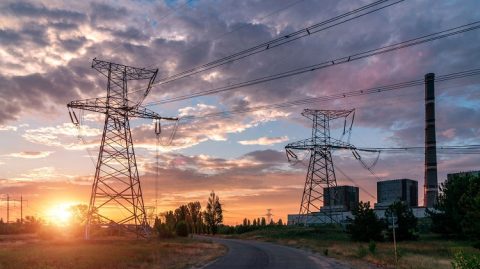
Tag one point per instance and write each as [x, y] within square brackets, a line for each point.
[116, 185]
[321, 172]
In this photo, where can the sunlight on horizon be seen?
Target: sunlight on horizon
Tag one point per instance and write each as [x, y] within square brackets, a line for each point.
[60, 214]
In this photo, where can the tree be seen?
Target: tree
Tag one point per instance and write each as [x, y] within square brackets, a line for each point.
[264, 222]
[245, 222]
[213, 213]
[406, 221]
[280, 222]
[458, 207]
[255, 222]
[195, 212]
[181, 229]
[366, 225]
[271, 222]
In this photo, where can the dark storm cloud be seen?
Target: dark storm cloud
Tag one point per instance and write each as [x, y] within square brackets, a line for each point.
[63, 25]
[105, 12]
[37, 92]
[40, 11]
[131, 33]
[73, 44]
[8, 37]
[267, 156]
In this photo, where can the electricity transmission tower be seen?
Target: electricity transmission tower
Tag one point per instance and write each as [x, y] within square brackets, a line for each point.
[321, 172]
[116, 197]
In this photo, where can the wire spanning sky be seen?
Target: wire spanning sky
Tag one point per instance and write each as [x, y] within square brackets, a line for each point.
[47, 47]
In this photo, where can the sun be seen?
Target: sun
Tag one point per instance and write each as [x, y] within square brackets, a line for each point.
[60, 214]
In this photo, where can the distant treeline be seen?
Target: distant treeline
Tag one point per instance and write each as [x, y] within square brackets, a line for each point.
[29, 224]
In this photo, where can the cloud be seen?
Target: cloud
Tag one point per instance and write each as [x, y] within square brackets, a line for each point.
[30, 154]
[61, 136]
[263, 141]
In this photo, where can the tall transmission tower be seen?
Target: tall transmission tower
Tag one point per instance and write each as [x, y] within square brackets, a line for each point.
[116, 198]
[321, 172]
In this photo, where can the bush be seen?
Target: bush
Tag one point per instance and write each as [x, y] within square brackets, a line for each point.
[365, 226]
[464, 261]
[163, 231]
[361, 251]
[406, 222]
[182, 229]
[372, 247]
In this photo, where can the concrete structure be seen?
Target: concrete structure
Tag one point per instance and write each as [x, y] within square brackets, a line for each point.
[340, 198]
[430, 186]
[390, 191]
[344, 217]
[464, 174]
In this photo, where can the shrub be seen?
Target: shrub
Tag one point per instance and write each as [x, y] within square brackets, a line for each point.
[163, 231]
[182, 229]
[365, 226]
[362, 251]
[372, 247]
[464, 261]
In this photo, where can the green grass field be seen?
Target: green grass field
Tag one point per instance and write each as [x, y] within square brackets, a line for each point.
[428, 252]
[111, 254]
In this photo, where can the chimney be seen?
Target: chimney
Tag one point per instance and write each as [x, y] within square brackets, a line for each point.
[431, 182]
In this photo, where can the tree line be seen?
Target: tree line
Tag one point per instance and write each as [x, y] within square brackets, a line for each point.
[190, 219]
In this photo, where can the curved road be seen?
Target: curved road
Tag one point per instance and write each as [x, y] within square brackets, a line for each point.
[255, 255]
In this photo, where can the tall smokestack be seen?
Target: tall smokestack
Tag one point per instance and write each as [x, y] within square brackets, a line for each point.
[431, 182]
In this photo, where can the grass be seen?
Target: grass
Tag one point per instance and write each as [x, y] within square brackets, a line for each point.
[112, 254]
[428, 252]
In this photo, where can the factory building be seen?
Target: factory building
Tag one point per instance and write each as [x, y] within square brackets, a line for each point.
[340, 198]
[390, 191]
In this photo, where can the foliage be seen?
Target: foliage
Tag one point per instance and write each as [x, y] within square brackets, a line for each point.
[162, 229]
[464, 261]
[362, 251]
[372, 247]
[366, 225]
[213, 214]
[406, 221]
[30, 224]
[457, 211]
[181, 229]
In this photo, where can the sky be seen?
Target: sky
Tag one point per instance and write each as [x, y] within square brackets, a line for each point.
[47, 48]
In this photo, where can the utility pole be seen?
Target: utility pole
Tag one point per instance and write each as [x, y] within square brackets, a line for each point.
[21, 209]
[117, 182]
[321, 172]
[8, 208]
[393, 226]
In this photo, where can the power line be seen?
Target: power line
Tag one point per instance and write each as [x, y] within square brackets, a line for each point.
[379, 89]
[243, 26]
[316, 28]
[369, 53]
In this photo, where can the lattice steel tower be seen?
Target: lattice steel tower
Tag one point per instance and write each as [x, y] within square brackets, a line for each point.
[116, 197]
[321, 172]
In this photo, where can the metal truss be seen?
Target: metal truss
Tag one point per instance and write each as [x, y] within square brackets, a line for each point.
[116, 197]
[321, 172]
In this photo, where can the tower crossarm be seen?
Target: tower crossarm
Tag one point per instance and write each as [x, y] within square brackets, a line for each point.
[310, 144]
[100, 105]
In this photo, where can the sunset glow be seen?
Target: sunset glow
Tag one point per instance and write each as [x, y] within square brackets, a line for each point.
[59, 214]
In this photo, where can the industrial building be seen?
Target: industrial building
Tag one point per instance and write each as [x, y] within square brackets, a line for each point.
[340, 198]
[390, 191]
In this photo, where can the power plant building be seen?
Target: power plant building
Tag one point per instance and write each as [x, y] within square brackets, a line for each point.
[390, 191]
[340, 198]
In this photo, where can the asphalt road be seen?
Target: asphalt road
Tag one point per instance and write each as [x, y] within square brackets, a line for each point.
[261, 255]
